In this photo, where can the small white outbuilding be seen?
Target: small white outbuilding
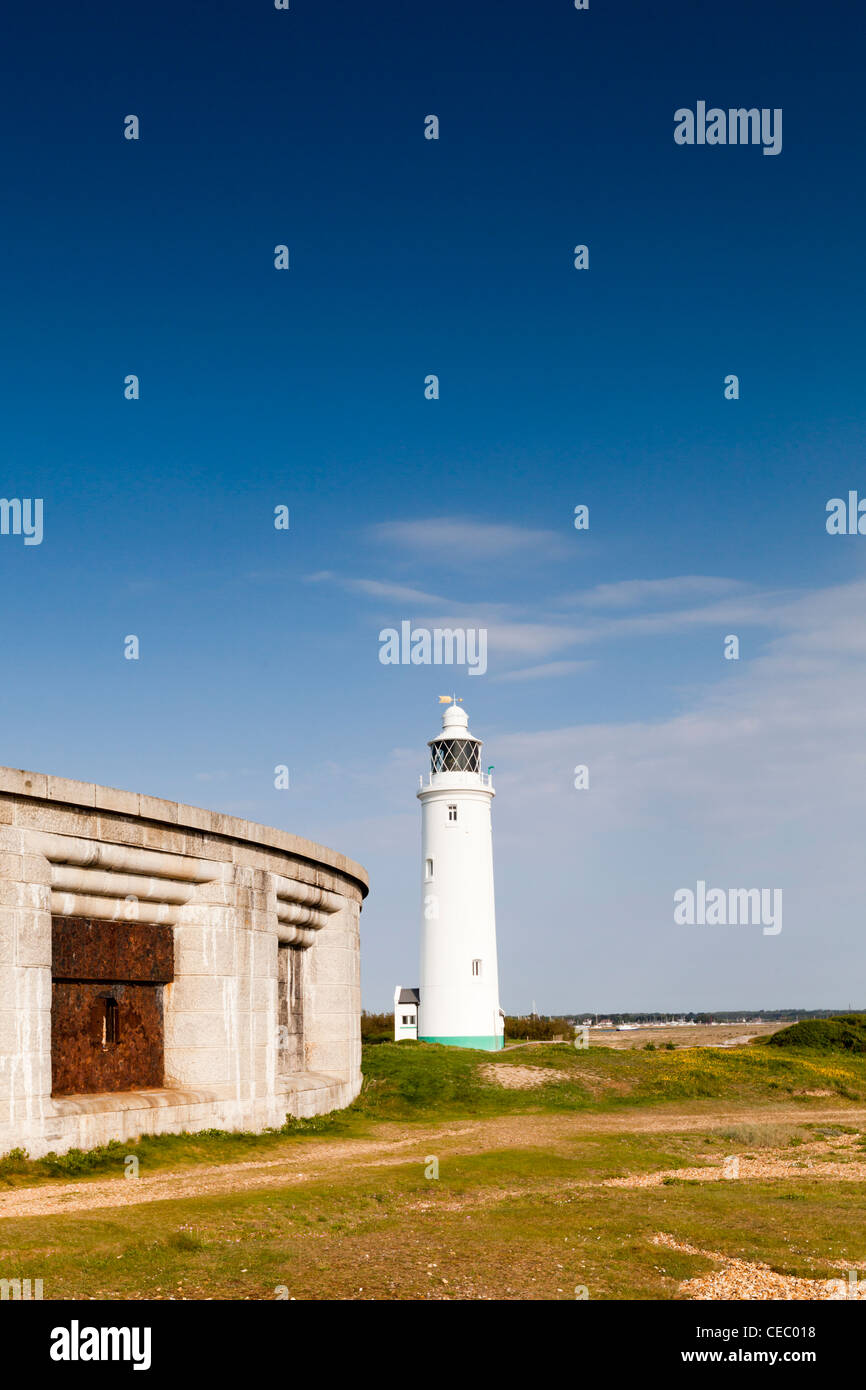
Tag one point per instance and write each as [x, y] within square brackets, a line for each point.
[405, 1013]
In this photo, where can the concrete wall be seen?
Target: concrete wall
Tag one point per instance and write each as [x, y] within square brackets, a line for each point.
[232, 892]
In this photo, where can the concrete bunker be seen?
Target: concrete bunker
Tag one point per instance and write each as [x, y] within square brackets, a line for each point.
[164, 967]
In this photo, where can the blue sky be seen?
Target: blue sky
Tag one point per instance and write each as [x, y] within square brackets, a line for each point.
[558, 387]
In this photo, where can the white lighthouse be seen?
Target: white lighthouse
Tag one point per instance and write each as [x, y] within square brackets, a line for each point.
[458, 996]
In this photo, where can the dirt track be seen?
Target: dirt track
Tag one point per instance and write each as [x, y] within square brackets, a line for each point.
[310, 1160]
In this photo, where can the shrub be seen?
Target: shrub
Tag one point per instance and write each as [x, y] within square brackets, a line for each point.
[77, 1161]
[14, 1162]
[843, 1033]
[534, 1029]
[377, 1028]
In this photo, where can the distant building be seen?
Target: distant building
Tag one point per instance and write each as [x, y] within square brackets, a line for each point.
[405, 1013]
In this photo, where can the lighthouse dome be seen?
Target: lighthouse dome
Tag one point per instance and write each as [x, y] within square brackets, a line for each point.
[455, 719]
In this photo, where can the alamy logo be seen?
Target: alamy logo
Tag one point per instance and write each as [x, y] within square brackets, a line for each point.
[20, 1290]
[442, 646]
[75, 1343]
[846, 519]
[22, 516]
[855, 1288]
[737, 126]
[738, 907]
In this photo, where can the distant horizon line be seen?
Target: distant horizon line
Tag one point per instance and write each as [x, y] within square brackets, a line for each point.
[679, 1013]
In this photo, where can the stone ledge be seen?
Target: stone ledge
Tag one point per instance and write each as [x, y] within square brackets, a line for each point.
[106, 1101]
[92, 797]
[127, 1115]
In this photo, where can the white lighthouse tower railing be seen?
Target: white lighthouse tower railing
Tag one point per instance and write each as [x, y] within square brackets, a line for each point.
[486, 780]
[459, 977]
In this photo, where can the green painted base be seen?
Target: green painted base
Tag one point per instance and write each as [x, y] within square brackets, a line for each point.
[489, 1044]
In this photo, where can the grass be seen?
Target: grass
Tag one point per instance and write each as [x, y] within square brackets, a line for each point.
[504, 1220]
[751, 1136]
[424, 1082]
[166, 1151]
[507, 1223]
[403, 1079]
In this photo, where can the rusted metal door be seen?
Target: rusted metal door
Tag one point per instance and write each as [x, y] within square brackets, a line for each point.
[107, 1029]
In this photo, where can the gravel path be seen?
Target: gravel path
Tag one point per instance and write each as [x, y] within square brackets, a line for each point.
[747, 1279]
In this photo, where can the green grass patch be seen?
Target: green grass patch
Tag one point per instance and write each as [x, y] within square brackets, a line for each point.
[426, 1083]
[766, 1136]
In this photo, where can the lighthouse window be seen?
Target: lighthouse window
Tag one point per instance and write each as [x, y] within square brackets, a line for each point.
[455, 755]
[428, 868]
[452, 812]
[476, 967]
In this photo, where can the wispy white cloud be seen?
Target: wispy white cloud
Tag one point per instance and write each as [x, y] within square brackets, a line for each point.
[759, 781]
[399, 593]
[547, 669]
[536, 630]
[511, 639]
[785, 740]
[634, 593]
[456, 538]
[752, 610]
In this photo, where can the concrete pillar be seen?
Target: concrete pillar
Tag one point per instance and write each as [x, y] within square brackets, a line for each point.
[25, 985]
[332, 995]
